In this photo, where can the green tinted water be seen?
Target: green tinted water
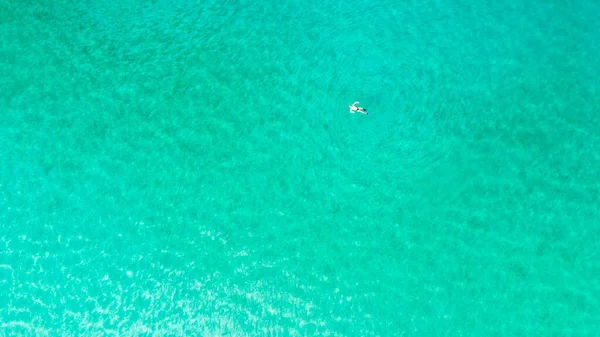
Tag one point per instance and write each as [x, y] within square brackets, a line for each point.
[181, 168]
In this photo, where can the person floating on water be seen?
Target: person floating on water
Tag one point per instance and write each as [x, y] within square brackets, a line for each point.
[354, 108]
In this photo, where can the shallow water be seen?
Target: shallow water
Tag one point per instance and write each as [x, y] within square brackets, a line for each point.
[182, 168]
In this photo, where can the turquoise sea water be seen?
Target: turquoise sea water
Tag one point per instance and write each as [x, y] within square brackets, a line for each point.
[190, 168]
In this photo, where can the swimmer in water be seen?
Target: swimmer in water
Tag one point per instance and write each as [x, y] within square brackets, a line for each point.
[354, 108]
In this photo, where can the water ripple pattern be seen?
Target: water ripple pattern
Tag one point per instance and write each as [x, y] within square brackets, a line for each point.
[190, 168]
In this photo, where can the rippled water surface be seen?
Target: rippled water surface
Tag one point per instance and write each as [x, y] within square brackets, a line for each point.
[191, 168]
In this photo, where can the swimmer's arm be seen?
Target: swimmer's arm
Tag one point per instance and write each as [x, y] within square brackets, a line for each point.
[355, 103]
